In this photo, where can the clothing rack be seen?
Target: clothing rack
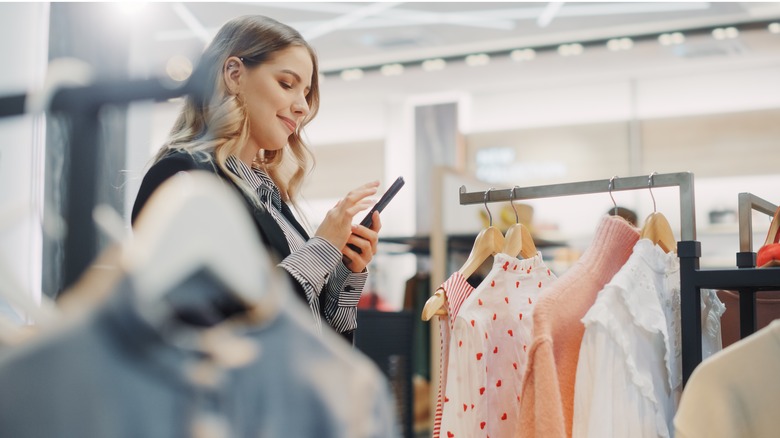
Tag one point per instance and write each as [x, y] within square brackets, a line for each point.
[688, 249]
[746, 279]
[82, 105]
[746, 257]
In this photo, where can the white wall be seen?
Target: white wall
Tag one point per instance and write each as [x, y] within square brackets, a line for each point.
[24, 48]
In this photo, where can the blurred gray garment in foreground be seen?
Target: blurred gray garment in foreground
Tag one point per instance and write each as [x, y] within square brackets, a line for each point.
[112, 375]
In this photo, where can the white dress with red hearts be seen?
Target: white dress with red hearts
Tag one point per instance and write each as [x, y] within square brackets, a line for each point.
[487, 354]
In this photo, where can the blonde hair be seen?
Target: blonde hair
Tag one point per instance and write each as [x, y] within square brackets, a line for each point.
[216, 122]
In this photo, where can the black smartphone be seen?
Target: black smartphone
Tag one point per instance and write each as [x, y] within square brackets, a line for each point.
[380, 205]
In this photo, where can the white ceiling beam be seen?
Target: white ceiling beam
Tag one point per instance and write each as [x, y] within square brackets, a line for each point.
[549, 12]
[347, 19]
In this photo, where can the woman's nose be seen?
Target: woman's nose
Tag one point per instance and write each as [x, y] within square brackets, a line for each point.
[300, 106]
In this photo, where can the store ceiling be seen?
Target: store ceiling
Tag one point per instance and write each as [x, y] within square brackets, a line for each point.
[356, 34]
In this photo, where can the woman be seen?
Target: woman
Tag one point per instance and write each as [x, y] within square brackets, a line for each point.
[261, 90]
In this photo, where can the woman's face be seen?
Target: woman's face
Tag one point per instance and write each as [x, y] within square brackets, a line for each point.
[275, 96]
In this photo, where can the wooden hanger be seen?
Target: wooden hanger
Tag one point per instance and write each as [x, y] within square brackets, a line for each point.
[489, 242]
[656, 227]
[194, 222]
[436, 305]
[518, 239]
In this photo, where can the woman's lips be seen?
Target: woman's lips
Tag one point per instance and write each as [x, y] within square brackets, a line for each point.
[290, 124]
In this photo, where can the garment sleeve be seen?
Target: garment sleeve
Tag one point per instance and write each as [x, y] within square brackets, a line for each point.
[318, 268]
[541, 408]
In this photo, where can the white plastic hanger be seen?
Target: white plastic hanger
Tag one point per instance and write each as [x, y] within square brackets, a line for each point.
[656, 227]
[192, 222]
[518, 239]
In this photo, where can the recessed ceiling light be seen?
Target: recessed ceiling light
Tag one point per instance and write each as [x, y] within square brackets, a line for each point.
[522, 54]
[478, 59]
[434, 64]
[392, 69]
[352, 74]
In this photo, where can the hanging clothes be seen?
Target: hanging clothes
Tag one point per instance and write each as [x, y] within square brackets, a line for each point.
[456, 289]
[629, 367]
[547, 401]
[115, 375]
[735, 393]
[488, 349]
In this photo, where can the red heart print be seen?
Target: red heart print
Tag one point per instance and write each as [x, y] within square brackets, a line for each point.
[529, 300]
[485, 335]
[506, 265]
[495, 350]
[465, 406]
[521, 317]
[517, 284]
[460, 343]
[503, 417]
[492, 283]
[481, 390]
[506, 299]
[525, 347]
[482, 425]
[528, 271]
[498, 384]
[450, 434]
[494, 317]
[446, 399]
[548, 273]
[540, 284]
[472, 406]
[479, 300]
[511, 333]
[515, 268]
[514, 364]
[472, 323]
[479, 356]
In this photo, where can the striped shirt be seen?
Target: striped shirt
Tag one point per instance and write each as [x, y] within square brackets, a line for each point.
[315, 264]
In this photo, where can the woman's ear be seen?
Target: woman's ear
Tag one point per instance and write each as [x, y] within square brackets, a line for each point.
[231, 71]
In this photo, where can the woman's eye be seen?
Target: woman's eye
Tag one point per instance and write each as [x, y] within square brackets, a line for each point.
[285, 85]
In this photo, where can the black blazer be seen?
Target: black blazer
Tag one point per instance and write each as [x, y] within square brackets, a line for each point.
[270, 232]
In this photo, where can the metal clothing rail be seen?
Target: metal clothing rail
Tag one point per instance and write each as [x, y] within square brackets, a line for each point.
[683, 180]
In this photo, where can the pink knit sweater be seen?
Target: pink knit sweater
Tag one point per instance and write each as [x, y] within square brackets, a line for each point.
[547, 402]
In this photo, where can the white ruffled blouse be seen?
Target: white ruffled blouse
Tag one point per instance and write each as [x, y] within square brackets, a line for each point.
[629, 374]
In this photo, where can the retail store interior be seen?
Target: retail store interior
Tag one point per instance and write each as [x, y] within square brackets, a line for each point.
[456, 97]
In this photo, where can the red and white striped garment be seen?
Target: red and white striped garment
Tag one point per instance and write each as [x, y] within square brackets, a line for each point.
[456, 289]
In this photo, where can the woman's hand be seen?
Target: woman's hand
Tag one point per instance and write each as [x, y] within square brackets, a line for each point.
[337, 227]
[366, 240]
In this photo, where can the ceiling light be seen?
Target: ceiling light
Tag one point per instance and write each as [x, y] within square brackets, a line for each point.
[523, 54]
[719, 33]
[668, 39]
[352, 74]
[392, 69]
[478, 59]
[774, 27]
[573, 49]
[434, 64]
[732, 32]
[617, 44]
